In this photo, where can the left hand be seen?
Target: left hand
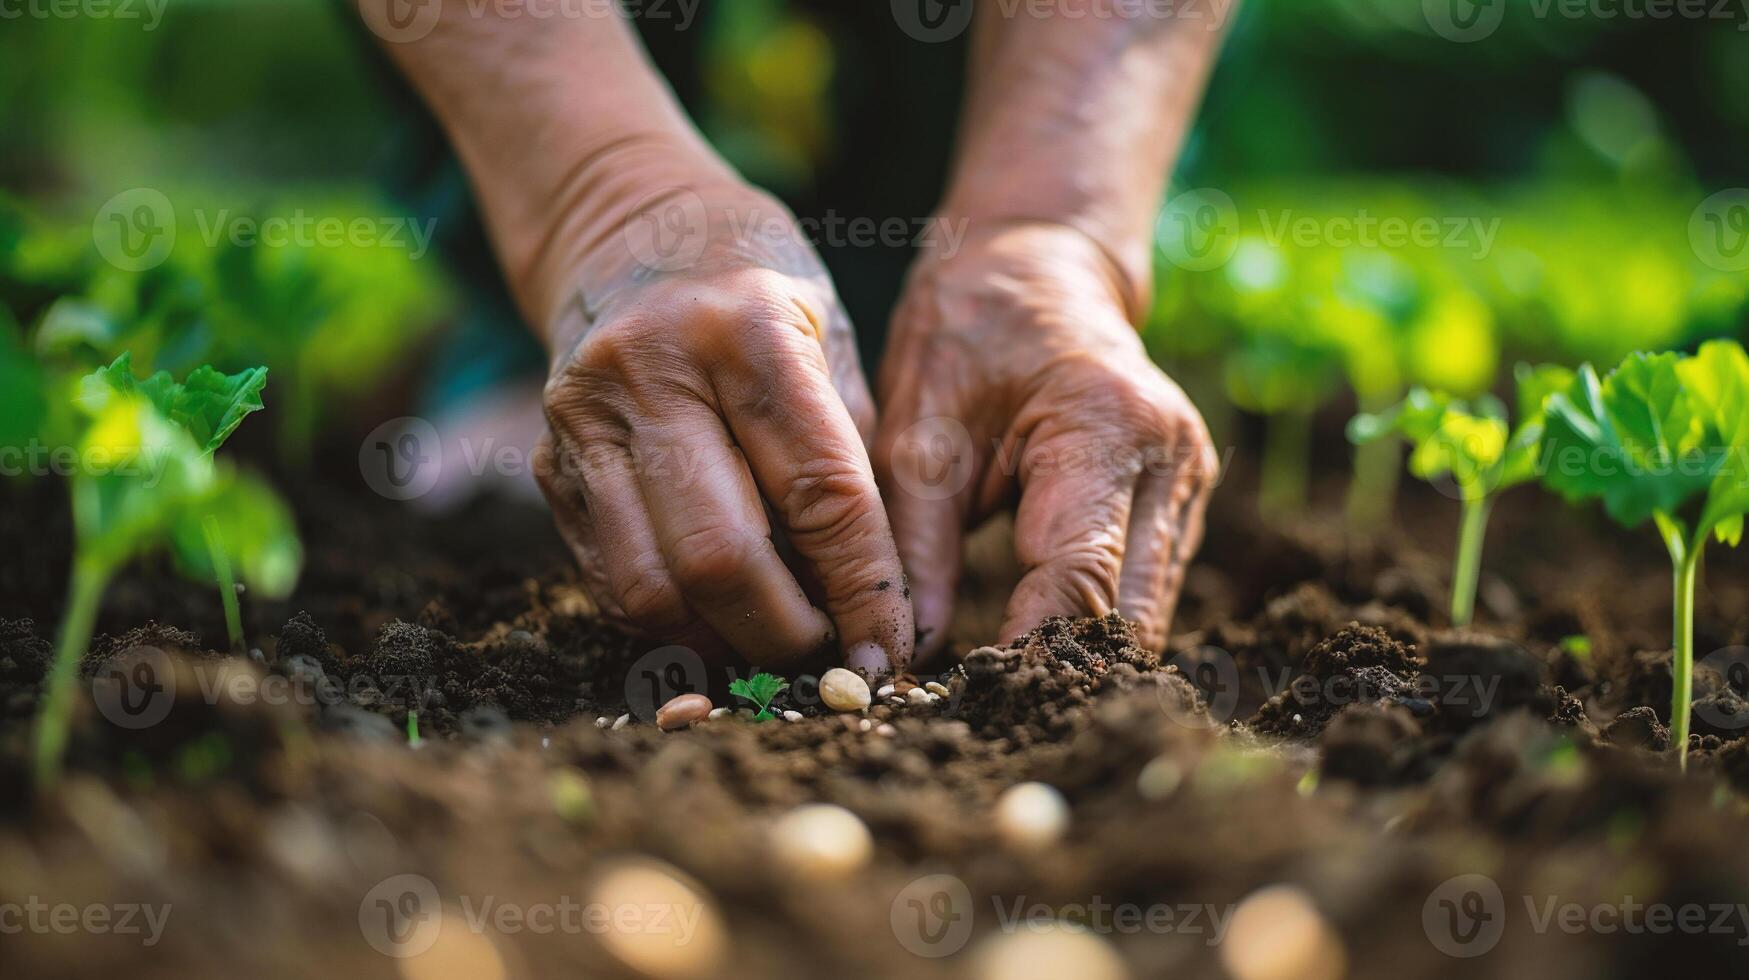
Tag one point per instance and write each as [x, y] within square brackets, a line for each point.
[1012, 371]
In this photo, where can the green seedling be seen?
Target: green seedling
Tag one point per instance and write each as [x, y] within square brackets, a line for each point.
[148, 480]
[1662, 438]
[1472, 444]
[413, 729]
[761, 689]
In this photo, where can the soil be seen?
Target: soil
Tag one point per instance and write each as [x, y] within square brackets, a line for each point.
[1319, 778]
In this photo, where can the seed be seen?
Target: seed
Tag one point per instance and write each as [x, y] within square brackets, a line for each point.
[917, 695]
[792, 716]
[621, 722]
[822, 841]
[936, 688]
[886, 691]
[1031, 815]
[844, 690]
[1159, 778]
[1278, 934]
[603, 721]
[864, 725]
[656, 952]
[719, 713]
[1047, 948]
[681, 711]
[885, 729]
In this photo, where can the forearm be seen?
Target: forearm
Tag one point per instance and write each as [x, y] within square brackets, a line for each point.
[1077, 119]
[564, 128]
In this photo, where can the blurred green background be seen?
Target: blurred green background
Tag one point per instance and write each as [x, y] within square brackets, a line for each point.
[1574, 154]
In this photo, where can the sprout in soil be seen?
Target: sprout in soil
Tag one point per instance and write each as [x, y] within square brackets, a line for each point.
[761, 689]
[1470, 443]
[1663, 437]
[413, 729]
[159, 486]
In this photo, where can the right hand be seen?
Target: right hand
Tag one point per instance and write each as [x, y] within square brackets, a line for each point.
[686, 405]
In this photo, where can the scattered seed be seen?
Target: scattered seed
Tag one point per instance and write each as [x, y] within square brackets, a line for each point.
[865, 725]
[1047, 948]
[682, 711]
[917, 695]
[1031, 815]
[1159, 778]
[936, 688]
[844, 690]
[603, 721]
[886, 691]
[621, 722]
[821, 841]
[1278, 933]
[665, 953]
[720, 713]
[885, 729]
[792, 716]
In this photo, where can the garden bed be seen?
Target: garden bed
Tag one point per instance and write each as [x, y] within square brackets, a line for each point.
[1374, 795]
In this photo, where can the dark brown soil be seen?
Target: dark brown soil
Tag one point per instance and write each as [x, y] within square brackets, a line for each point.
[1311, 783]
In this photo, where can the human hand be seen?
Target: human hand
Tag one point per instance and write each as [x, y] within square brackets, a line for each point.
[1013, 371]
[687, 403]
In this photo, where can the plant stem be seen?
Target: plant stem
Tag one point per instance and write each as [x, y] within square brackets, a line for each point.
[1468, 566]
[1377, 466]
[1286, 445]
[215, 547]
[85, 594]
[1682, 663]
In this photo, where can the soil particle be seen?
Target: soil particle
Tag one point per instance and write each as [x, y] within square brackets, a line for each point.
[1372, 744]
[1477, 675]
[1638, 728]
[24, 656]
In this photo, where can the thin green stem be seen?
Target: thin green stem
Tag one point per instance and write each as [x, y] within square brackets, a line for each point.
[1682, 663]
[1286, 451]
[85, 595]
[215, 546]
[1468, 566]
[1378, 466]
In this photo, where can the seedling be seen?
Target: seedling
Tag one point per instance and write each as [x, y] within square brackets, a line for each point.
[1470, 443]
[761, 689]
[1664, 438]
[413, 729]
[150, 481]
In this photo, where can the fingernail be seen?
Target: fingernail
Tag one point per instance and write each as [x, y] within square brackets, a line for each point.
[869, 658]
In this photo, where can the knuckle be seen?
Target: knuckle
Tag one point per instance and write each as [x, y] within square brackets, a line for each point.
[1087, 579]
[652, 601]
[711, 561]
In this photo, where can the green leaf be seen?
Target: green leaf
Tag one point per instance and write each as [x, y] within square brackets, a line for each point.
[1636, 440]
[1448, 437]
[760, 690]
[1717, 379]
[254, 527]
[209, 405]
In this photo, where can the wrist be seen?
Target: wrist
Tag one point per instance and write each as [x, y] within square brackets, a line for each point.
[1045, 256]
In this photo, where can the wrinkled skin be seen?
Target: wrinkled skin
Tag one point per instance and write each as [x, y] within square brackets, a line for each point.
[711, 422]
[1021, 343]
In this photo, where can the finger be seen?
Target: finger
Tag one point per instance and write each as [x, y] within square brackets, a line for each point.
[811, 462]
[710, 526]
[1165, 530]
[598, 507]
[1069, 534]
[925, 469]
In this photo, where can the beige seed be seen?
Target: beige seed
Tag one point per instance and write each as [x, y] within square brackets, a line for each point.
[682, 711]
[917, 695]
[719, 713]
[621, 722]
[1031, 815]
[603, 721]
[865, 725]
[844, 690]
[821, 841]
[886, 691]
[936, 688]
[660, 948]
[885, 729]
[1277, 933]
[1047, 950]
[792, 716]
